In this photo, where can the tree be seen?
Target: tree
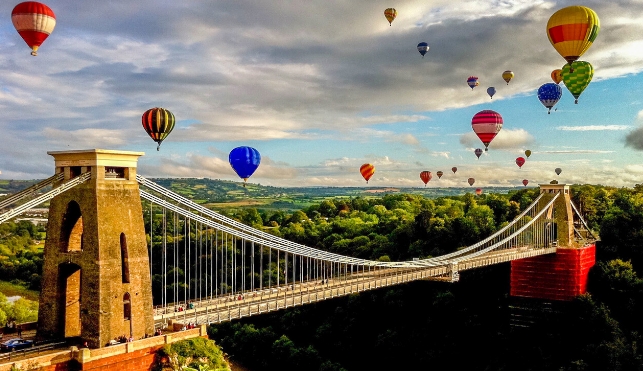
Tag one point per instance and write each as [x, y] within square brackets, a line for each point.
[621, 230]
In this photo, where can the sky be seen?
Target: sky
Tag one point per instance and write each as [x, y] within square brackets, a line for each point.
[320, 87]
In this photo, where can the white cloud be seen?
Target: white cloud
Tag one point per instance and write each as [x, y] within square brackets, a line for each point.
[594, 128]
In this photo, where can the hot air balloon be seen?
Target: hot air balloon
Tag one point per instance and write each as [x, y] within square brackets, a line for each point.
[367, 171]
[549, 94]
[472, 81]
[478, 191]
[558, 170]
[158, 123]
[520, 161]
[439, 174]
[423, 48]
[390, 15]
[244, 161]
[454, 169]
[525, 182]
[577, 77]
[471, 181]
[556, 75]
[34, 22]
[478, 152]
[491, 91]
[572, 30]
[486, 124]
[528, 153]
[426, 176]
[507, 76]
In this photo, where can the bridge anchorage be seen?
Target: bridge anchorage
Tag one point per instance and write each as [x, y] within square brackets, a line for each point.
[104, 276]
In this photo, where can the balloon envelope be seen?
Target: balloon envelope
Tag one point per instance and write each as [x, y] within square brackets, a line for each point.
[528, 153]
[556, 76]
[244, 161]
[491, 91]
[158, 123]
[426, 176]
[471, 181]
[454, 169]
[367, 171]
[423, 48]
[472, 81]
[439, 174]
[507, 76]
[478, 191]
[34, 22]
[577, 77]
[478, 152]
[549, 94]
[525, 182]
[572, 30]
[558, 170]
[390, 15]
[486, 124]
[520, 161]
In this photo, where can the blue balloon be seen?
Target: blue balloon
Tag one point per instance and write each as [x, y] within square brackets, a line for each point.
[244, 161]
[549, 94]
[491, 91]
[423, 48]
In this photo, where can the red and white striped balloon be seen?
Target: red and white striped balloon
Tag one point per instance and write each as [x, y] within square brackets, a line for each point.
[486, 124]
[34, 21]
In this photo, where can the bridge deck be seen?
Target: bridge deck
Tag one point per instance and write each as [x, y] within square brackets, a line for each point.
[226, 308]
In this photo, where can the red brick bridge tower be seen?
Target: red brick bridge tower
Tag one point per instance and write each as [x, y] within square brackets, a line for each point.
[561, 276]
[96, 279]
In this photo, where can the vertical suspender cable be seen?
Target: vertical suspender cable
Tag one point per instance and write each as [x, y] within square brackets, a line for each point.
[164, 259]
[277, 269]
[151, 242]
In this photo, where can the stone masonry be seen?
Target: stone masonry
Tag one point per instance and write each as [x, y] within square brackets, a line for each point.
[96, 280]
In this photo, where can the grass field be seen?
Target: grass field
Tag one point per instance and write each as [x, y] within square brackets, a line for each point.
[10, 289]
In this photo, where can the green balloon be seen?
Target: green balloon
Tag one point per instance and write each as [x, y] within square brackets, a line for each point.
[577, 76]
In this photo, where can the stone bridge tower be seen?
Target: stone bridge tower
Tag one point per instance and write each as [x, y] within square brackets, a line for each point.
[96, 277]
[560, 212]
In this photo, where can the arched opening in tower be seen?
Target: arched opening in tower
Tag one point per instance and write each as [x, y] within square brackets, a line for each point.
[127, 312]
[70, 283]
[124, 259]
[72, 229]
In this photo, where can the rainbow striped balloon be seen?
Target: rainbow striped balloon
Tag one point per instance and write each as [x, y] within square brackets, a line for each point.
[158, 123]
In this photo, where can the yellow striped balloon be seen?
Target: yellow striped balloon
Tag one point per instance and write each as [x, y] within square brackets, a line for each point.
[572, 30]
[390, 15]
[158, 123]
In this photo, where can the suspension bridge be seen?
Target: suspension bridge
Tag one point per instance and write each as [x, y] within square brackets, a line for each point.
[104, 275]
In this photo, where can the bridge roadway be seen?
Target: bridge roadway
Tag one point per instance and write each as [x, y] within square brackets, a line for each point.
[229, 307]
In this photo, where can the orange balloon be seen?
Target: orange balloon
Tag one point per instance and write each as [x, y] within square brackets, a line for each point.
[367, 171]
[557, 75]
[478, 191]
